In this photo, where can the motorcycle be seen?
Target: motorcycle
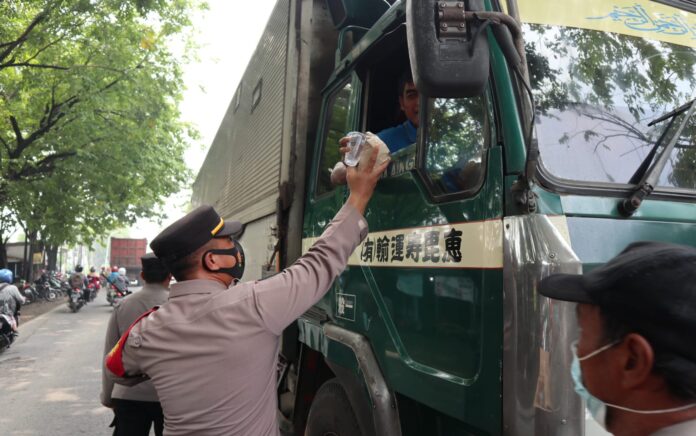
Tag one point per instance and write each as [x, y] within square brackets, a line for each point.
[75, 299]
[94, 286]
[27, 291]
[115, 295]
[43, 288]
[7, 329]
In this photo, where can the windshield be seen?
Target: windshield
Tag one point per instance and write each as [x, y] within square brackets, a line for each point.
[596, 90]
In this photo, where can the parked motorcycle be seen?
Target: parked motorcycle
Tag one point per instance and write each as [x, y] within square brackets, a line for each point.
[75, 299]
[43, 288]
[27, 291]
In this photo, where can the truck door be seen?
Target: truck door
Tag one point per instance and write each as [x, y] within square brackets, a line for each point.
[425, 286]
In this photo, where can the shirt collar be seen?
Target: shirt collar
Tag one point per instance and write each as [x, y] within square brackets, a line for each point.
[198, 286]
[154, 287]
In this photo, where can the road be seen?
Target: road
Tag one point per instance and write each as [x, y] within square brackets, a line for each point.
[51, 376]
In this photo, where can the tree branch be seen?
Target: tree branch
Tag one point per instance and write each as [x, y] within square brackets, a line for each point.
[13, 45]
[42, 167]
[30, 65]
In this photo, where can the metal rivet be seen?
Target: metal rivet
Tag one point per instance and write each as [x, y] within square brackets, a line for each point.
[552, 255]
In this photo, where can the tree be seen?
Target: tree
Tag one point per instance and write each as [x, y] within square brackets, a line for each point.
[89, 96]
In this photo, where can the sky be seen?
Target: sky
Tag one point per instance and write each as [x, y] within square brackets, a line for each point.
[227, 34]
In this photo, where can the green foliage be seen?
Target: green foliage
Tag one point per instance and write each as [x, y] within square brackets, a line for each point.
[89, 131]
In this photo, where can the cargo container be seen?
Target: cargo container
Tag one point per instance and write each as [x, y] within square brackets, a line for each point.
[126, 253]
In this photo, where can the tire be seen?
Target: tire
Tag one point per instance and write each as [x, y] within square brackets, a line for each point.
[331, 413]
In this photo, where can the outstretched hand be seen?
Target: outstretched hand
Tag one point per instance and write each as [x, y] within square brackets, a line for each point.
[363, 179]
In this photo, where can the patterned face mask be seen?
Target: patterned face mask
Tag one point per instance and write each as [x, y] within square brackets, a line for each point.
[237, 252]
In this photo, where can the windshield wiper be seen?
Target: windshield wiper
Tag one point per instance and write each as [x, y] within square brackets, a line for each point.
[646, 177]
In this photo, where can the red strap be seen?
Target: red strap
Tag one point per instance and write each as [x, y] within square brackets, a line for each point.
[114, 360]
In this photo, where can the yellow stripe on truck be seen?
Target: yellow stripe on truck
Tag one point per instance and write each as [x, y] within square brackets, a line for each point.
[467, 245]
[480, 246]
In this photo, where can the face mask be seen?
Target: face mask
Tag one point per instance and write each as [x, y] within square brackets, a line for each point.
[237, 270]
[597, 407]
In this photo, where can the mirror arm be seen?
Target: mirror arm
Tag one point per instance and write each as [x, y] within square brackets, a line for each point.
[513, 26]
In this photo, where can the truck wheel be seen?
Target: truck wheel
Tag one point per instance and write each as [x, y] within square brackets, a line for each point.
[331, 413]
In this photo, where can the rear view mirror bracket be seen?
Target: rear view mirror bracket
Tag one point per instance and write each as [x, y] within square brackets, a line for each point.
[448, 46]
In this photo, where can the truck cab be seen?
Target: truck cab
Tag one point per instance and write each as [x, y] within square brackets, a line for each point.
[439, 300]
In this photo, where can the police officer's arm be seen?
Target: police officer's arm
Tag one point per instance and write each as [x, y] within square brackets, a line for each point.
[284, 297]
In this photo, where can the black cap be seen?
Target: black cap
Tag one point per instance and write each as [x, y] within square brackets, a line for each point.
[191, 232]
[650, 287]
[150, 262]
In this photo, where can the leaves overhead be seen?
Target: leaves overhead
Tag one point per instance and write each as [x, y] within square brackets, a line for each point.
[89, 131]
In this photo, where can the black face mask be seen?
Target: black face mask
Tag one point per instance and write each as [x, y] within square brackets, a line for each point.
[236, 271]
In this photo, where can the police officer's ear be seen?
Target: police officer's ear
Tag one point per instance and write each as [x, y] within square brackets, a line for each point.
[142, 275]
[215, 261]
[209, 261]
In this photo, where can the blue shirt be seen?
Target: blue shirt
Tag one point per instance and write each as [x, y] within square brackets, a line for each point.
[400, 136]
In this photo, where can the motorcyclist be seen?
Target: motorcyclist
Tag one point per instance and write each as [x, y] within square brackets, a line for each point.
[122, 280]
[95, 280]
[113, 276]
[78, 280]
[11, 299]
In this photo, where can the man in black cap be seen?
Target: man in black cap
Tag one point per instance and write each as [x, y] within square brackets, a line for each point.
[136, 408]
[211, 352]
[635, 360]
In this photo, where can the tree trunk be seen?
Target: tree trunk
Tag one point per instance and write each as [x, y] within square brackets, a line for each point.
[25, 262]
[32, 249]
[52, 255]
[3, 255]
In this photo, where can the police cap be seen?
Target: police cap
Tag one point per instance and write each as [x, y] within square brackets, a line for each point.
[191, 232]
[150, 262]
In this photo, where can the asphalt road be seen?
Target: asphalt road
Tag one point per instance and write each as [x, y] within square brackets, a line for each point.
[50, 378]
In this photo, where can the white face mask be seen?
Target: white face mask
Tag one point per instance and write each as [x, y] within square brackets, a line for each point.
[597, 407]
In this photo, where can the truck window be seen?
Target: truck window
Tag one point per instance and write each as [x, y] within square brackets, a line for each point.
[458, 133]
[337, 125]
[597, 91]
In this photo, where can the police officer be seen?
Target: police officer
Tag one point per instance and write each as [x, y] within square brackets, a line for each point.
[635, 360]
[210, 351]
[136, 408]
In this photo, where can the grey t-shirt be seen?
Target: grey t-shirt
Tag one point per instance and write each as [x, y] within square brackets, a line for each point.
[9, 298]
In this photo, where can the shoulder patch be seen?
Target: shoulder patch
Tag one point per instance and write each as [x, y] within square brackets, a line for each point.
[114, 360]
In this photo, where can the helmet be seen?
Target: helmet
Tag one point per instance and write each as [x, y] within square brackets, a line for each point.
[78, 268]
[122, 271]
[92, 269]
[114, 269]
[6, 276]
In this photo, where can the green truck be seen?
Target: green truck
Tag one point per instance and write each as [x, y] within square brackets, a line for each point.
[549, 137]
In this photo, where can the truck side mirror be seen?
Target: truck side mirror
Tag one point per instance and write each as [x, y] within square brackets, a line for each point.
[449, 54]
